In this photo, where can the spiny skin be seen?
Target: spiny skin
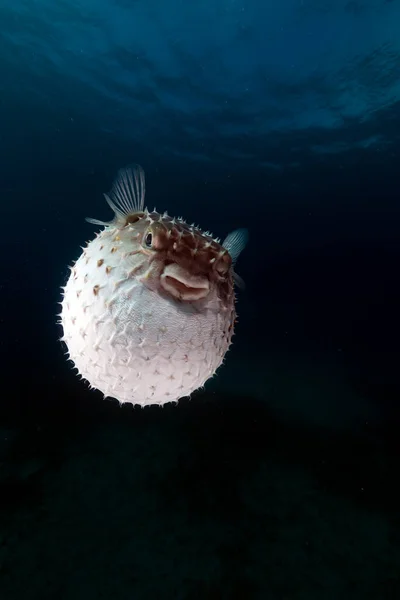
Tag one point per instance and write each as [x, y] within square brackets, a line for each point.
[126, 335]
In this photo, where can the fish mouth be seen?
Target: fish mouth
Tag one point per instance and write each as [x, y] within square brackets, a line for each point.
[182, 285]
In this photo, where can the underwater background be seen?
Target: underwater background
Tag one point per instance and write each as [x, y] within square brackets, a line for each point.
[280, 480]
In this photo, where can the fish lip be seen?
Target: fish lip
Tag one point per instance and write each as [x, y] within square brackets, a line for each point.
[183, 285]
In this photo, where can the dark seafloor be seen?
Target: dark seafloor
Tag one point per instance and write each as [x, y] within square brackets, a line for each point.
[280, 481]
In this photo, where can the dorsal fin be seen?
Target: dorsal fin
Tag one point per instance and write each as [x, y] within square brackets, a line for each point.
[126, 196]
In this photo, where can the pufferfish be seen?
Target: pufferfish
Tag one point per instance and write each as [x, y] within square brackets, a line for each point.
[148, 311]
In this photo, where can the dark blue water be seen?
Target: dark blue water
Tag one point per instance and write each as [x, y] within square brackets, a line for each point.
[279, 480]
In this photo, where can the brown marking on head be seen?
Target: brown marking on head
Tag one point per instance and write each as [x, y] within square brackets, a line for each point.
[96, 289]
[100, 262]
[188, 246]
[187, 260]
[175, 253]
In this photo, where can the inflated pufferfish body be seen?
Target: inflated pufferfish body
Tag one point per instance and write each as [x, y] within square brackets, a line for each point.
[148, 310]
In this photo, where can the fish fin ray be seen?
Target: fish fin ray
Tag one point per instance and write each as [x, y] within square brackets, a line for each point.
[126, 196]
[97, 222]
[235, 243]
[128, 191]
[239, 281]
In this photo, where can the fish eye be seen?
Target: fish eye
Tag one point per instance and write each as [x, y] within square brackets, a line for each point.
[148, 240]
